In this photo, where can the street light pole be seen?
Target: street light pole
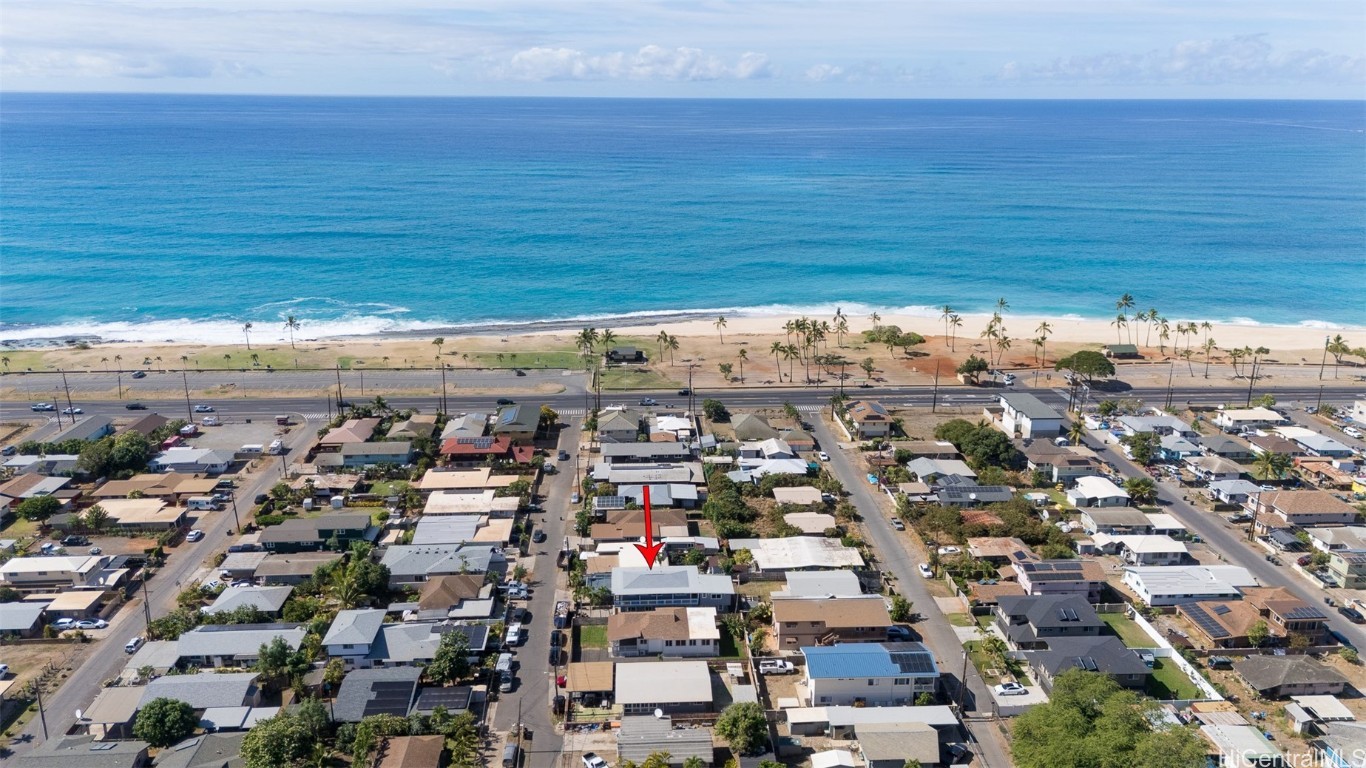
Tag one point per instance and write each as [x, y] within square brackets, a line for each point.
[963, 683]
[184, 379]
[1324, 361]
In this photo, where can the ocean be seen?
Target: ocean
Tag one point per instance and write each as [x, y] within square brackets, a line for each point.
[151, 218]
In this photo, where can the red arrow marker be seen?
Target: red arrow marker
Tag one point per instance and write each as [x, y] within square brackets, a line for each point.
[649, 549]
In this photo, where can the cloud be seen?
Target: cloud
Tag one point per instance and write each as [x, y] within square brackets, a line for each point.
[651, 62]
[92, 63]
[869, 72]
[1249, 59]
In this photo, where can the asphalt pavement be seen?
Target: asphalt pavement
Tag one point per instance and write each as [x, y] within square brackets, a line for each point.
[898, 554]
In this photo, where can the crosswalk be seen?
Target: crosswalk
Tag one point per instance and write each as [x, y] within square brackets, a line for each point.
[317, 416]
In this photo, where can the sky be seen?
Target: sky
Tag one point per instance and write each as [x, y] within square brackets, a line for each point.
[1063, 49]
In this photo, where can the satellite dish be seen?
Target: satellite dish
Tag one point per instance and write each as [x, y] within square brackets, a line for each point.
[659, 714]
[78, 715]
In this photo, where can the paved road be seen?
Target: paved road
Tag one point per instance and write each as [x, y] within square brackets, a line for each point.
[106, 659]
[895, 553]
[1231, 542]
[535, 677]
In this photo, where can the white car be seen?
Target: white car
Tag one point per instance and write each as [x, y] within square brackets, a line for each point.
[194, 535]
[4, 670]
[203, 409]
[42, 407]
[61, 624]
[925, 571]
[776, 667]
[92, 624]
[211, 421]
[1010, 689]
[897, 524]
[96, 551]
[823, 455]
[591, 760]
[72, 411]
[1352, 432]
[949, 550]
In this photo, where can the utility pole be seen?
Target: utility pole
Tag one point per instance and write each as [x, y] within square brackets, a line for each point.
[146, 601]
[963, 684]
[339, 390]
[1320, 402]
[186, 381]
[71, 409]
[232, 496]
[934, 397]
[1170, 368]
[444, 406]
[1324, 361]
[42, 715]
[1251, 380]
[119, 375]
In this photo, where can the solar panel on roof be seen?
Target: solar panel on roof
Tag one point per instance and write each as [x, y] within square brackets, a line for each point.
[1205, 621]
[1020, 556]
[453, 699]
[1067, 566]
[913, 663]
[389, 698]
[1088, 663]
[477, 442]
[1305, 612]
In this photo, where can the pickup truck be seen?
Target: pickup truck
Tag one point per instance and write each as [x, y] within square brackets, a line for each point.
[776, 667]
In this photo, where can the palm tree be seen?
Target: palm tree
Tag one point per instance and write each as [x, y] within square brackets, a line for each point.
[673, 347]
[1206, 327]
[1076, 431]
[607, 339]
[1119, 323]
[945, 312]
[5, 361]
[1141, 490]
[1043, 330]
[292, 324]
[661, 339]
[105, 362]
[1337, 347]
[955, 322]
[1186, 355]
[1163, 335]
[791, 353]
[841, 330]
[246, 331]
[1002, 305]
[742, 356]
[438, 342]
[1003, 344]
[1271, 465]
[720, 323]
[876, 318]
[776, 349]
[989, 333]
[1125, 303]
[184, 359]
[1037, 341]
[1234, 356]
[255, 359]
[1209, 347]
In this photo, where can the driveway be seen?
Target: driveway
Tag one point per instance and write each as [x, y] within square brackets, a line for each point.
[898, 556]
[530, 700]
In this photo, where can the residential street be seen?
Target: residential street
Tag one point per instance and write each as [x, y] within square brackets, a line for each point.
[899, 554]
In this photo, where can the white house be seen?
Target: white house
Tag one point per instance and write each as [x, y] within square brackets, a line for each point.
[1235, 419]
[1233, 491]
[1171, 585]
[1097, 491]
[1027, 416]
[641, 589]
[352, 634]
[191, 460]
[1160, 424]
[876, 674]
[1143, 550]
[667, 632]
[51, 573]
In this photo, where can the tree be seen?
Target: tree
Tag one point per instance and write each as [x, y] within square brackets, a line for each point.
[1076, 432]
[163, 722]
[1349, 655]
[973, 367]
[451, 663]
[38, 508]
[1087, 364]
[1142, 446]
[673, 346]
[694, 762]
[744, 727]
[10, 595]
[282, 741]
[725, 369]
[715, 410]
[438, 342]
[292, 325]
[246, 331]
[901, 608]
[1141, 490]
[277, 664]
[1268, 466]
[720, 323]
[1258, 633]
[911, 763]
[742, 356]
[657, 760]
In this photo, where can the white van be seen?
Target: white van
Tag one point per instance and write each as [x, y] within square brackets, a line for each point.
[133, 645]
[201, 503]
[514, 635]
[252, 448]
[276, 448]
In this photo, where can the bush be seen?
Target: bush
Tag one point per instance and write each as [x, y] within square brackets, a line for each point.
[163, 722]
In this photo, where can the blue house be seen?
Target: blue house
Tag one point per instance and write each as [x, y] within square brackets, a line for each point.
[874, 674]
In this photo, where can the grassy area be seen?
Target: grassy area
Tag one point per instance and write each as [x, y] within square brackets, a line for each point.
[19, 529]
[385, 487]
[959, 619]
[593, 636]
[1169, 682]
[984, 622]
[1129, 632]
[984, 662]
[729, 650]
[635, 378]
[525, 359]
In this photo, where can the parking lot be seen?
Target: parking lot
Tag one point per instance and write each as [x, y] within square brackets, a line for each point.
[232, 435]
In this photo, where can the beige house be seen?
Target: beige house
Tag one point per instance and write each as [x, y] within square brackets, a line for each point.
[801, 622]
[1303, 508]
[143, 514]
[31, 575]
[867, 419]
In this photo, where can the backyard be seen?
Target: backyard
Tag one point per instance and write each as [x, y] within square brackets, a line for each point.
[593, 636]
[1128, 631]
[1169, 682]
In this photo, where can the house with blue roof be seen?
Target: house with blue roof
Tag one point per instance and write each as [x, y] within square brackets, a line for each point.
[869, 674]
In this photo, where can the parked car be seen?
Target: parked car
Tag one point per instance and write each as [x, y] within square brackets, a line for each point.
[949, 550]
[261, 498]
[925, 571]
[776, 667]
[1148, 658]
[1352, 615]
[564, 455]
[211, 421]
[822, 455]
[1352, 432]
[133, 645]
[897, 524]
[75, 541]
[1010, 689]
[4, 670]
[203, 408]
[899, 634]
[96, 551]
[61, 624]
[575, 498]
[538, 537]
[194, 535]
[135, 407]
[72, 411]
[1219, 662]
[139, 374]
[591, 760]
[92, 624]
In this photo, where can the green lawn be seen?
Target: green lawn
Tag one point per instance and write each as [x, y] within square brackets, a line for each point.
[984, 622]
[729, 650]
[960, 619]
[1129, 632]
[636, 378]
[558, 358]
[1169, 682]
[593, 636]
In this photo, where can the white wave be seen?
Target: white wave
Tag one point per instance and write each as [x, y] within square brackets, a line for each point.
[186, 331]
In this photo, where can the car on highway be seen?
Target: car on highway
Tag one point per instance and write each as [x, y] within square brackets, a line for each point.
[648, 401]
[194, 535]
[1008, 379]
[203, 408]
[506, 401]
[823, 456]
[42, 407]
[92, 624]
[135, 407]
[925, 571]
[591, 760]
[1010, 689]
[685, 392]
[139, 374]
[1351, 614]
[72, 411]
[776, 667]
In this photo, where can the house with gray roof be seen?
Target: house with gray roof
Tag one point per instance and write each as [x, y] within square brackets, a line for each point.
[1105, 654]
[22, 619]
[84, 752]
[1036, 621]
[352, 634]
[622, 426]
[211, 750]
[206, 689]
[642, 589]
[89, 428]
[750, 426]
[930, 470]
[356, 455]
[411, 564]
[517, 422]
[233, 645]
[637, 453]
[1292, 675]
[468, 425]
[380, 691]
[335, 531]
[1226, 447]
[1024, 415]
[269, 600]
[969, 494]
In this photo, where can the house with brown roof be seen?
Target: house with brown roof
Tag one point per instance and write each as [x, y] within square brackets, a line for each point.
[471, 451]
[997, 550]
[865, 419]
[1287, 613]
[982, 518]
[1058, 577]
[146, 425]
[413, 752]
[629, 524]
[801, 622]
[1223, 623]
[1302, 509]
[1274, 444]
[447, 593]
[667, 632]
[413, 427]
[351, 431]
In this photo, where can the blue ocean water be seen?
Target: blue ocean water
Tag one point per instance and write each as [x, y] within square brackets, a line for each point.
[183, 216]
